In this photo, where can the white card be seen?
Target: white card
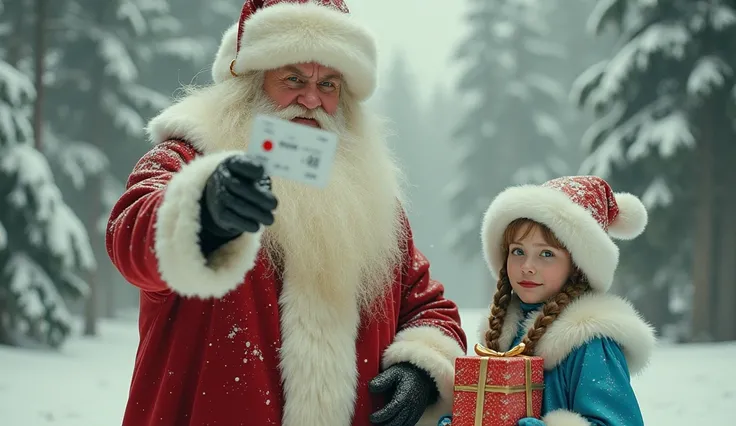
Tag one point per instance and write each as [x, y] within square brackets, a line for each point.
[293, 151]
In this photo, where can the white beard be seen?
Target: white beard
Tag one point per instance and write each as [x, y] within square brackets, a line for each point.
[344, 241]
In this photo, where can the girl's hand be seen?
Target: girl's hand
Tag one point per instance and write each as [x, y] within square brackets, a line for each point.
[530, 421]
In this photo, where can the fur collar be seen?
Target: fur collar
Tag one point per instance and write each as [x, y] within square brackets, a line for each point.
[592, 315]
[195, 119]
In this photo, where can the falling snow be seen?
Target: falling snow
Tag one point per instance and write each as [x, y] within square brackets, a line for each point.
[233, 332]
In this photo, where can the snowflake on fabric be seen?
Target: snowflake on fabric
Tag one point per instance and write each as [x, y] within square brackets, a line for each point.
[419, 261]
[591, 193]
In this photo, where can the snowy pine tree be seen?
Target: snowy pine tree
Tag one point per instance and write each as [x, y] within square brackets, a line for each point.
[105, 59]
[530, 115]
[423, 154]
[42, 242]
[401, 104]
[665, 129]
[186, 60]
[448, 266]
[514, 131]
[99, 60]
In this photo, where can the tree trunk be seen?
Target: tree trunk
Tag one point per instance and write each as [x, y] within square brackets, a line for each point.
[654, 305]
[703, 238]
[5, 325]
[104, 302]
[725, 312]
[110, 307]
[725, 317]
[93, 202]
[14, 50]
[39, 53]
[92, 304]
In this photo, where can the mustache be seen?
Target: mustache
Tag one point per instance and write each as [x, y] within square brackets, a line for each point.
[297, 111]
[290, 112]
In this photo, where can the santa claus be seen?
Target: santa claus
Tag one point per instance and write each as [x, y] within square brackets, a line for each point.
[293, 305]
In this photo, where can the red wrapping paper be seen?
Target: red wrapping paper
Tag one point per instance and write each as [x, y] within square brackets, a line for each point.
[513, 388]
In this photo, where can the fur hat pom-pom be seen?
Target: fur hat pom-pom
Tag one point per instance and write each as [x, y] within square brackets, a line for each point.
[632, 217]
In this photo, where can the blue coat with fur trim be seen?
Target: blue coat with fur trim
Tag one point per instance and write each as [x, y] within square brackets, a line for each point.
[589, 353]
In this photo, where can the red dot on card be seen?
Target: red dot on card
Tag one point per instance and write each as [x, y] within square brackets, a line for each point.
[267, 145]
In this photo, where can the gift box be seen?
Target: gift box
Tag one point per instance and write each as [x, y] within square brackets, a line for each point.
[497, 388]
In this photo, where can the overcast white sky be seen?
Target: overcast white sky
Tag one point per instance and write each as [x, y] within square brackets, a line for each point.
[428, 31]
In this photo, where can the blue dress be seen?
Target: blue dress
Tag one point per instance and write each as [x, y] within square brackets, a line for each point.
[592, 381]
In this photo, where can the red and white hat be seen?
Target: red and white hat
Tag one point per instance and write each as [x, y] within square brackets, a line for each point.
[582, 211]
[274, 33]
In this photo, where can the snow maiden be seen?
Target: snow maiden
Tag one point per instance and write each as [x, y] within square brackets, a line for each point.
[550, 247]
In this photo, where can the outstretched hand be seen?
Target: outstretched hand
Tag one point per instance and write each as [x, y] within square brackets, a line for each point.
[232, 203]
[411, 391]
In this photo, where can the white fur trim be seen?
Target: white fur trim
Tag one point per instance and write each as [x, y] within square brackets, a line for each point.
[591, 248]
[564, 418]
[599, 315]
[632, 217]
[510, 325]
[591, 316]
[225, 54]
[193, 119]
[181, 262]
[288, 33]
[318, 355]
[428, 348]
[482, 326]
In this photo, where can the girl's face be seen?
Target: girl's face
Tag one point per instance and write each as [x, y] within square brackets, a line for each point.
[536, 269]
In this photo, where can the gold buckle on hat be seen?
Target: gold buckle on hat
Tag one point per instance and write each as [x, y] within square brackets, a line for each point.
[232, 71]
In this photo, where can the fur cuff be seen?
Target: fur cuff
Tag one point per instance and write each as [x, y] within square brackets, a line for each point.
[181, 263]
[564, 418]
[429, 348]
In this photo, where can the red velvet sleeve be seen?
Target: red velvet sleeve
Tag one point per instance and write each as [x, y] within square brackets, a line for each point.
[429, 334]
[130, 235]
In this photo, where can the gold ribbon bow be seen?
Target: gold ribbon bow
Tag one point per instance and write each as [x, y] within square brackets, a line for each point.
[481, 388]
[515, 351]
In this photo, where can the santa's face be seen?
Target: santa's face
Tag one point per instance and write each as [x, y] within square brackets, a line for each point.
[311, 86]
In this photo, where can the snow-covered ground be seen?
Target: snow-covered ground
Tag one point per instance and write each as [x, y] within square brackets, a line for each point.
[87, 383]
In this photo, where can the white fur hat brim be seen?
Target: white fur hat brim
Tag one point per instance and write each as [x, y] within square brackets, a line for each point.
[290, 33]
[590, 246]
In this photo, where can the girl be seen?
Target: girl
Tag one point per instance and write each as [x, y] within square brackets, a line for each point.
[550, 247]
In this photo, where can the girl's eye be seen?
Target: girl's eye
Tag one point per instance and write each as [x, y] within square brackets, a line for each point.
[547, 253]
[517, 252]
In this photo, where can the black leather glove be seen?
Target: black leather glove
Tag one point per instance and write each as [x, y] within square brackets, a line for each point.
[235, 200]
[411, 391]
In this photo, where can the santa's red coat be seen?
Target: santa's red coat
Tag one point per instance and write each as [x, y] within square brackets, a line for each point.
[223, 360]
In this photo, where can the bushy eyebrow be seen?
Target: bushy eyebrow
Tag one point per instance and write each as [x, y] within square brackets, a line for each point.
[295, 70]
